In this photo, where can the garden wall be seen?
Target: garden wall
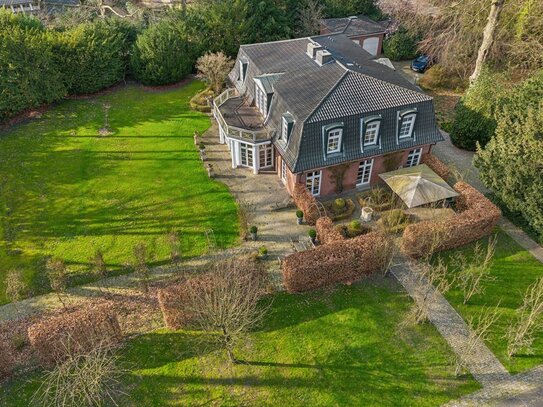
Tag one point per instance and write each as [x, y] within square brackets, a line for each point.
[306, 202]
[337, 262]
[327, 231]
[436, 165]
[476, 218]
[82, 330]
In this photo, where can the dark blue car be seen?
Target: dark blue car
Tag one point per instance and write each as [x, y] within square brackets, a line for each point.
[420, 64]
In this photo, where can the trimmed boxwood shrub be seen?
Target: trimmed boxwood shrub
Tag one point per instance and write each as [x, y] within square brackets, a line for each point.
[400, 45]
[162, 54]
[92, 56]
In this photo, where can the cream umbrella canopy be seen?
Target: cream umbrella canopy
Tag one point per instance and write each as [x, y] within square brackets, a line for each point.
[418, 185]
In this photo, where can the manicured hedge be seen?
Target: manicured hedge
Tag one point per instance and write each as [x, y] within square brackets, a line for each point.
[29, 76]
[327, 231]
[307, 203]
[6, 361]
[476, 218]
[436, 165]
[162, 54]
[82, 329]
[339, 262]
[92, 56]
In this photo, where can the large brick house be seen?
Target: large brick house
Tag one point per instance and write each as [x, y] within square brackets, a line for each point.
[321, 111]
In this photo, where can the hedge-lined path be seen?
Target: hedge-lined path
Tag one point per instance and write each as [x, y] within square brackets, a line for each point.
[485, 367]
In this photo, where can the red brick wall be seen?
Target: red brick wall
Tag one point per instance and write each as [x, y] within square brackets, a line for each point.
[328, 188]
[361, 39]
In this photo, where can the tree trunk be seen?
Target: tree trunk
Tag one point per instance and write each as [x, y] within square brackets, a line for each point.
[488, 38]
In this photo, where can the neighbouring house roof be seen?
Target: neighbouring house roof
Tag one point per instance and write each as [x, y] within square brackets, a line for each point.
[8, 3]
[352, 85]
[352, 26]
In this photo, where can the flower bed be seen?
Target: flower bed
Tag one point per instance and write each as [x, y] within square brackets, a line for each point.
[476, 218]
[82, 329]
[353, 229]
[377, 198]
[339, 262]
[394, 221]
[340, 208]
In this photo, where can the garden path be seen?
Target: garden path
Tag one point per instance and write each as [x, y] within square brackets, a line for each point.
[483, 365]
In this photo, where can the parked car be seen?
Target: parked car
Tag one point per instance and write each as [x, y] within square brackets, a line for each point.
[421, 63]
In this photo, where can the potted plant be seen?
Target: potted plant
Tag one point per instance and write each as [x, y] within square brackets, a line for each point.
[299, 216]
[253, 232]
[263, 252]
[312, 235]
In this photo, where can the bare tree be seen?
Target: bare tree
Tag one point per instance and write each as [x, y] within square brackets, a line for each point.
[529, 321]
[15, 286]
[432, 282]
[174, 242]
[82, 379]
[58, 277]
[140, 266]
[214, 68]
[489, 35]
[310, 14]
[478, 333]
[227, 302]
[474, 271]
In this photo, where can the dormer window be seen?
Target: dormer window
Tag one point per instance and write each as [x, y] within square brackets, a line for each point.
[334, 141]
[370, 127]
[406, 124]
[287, 123]
[242, 70]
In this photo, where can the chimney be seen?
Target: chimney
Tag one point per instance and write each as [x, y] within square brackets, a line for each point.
[324, 57]
[312, 49]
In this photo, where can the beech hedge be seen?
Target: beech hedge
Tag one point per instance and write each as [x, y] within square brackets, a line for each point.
[307, 203]
[82, 329]
[327, 231]
[339, 262]
[476, 218]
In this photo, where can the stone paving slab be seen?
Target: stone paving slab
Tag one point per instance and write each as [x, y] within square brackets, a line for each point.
[485, 367]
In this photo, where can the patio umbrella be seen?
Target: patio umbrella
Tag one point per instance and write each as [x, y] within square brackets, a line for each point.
[418, 185]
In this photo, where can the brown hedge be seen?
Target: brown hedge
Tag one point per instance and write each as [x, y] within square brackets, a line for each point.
[172, 299]
[327, 232]
[476, 218]
[81, 330]
[436, 165]
[6, 361]
[338, 262]
[306, 202]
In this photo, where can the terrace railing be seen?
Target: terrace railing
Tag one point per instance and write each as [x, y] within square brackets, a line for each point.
[237, 132]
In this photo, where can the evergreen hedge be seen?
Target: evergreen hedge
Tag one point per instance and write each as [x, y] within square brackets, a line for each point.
[400, 46]
[28, 74]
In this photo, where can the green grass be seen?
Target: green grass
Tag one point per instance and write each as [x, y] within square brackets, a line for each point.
[66, 191]
[514, 270]
[334, 348]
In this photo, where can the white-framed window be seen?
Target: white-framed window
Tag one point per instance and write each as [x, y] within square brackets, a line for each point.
[283, 171]
[413, 158]
[261, 100]
[371, 133]
[313, 182]
[246, 154]
[364, 172]
[406, 125]
[334, 141]
[266, 155]
[284, 129]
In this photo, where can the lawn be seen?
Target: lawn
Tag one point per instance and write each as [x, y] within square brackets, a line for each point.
[332, 348]
[513, 271]
[66, 191]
